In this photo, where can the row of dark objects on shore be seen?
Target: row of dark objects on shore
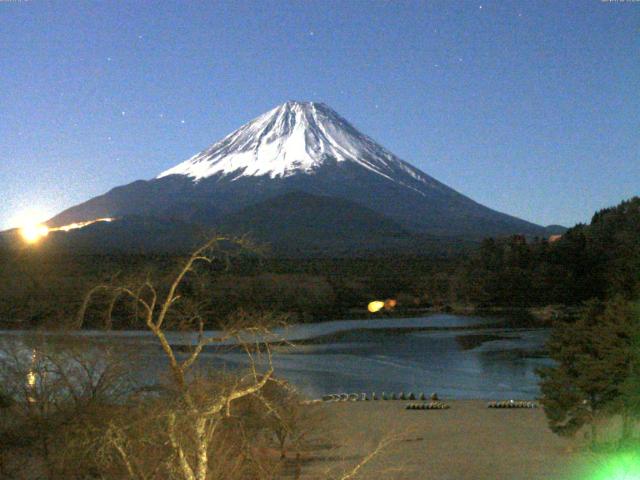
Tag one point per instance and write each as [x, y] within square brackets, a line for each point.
[434, 402]
[513, 404]
[427, 406]
[363, 397]
[434, 405]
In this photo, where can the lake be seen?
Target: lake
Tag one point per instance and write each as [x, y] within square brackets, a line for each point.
[456, 356]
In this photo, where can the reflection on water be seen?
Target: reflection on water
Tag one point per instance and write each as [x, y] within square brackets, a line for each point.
[425, 361]
[475, 360]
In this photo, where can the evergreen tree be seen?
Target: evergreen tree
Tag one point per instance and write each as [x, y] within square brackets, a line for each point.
[596, 368]
[629, 401]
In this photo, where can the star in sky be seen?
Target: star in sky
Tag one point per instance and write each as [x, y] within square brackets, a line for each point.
[408, 55]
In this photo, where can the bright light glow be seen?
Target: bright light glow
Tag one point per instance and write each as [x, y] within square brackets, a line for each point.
[30, 225]
[34, 233]
[73, 226]
[622, 466]
[31, 379]
[31, 376]
[375, 306]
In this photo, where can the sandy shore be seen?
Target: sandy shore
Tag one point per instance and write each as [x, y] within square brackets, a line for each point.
[468, 441]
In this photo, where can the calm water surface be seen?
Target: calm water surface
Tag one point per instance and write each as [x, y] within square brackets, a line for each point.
[455, 356]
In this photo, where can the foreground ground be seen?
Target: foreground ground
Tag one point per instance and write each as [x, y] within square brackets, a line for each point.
[468, 441]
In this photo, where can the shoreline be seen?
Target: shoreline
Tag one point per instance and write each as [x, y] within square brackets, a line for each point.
[286, 335]
[465, 442]
[517, 317]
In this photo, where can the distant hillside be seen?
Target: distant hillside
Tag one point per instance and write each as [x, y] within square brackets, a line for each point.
[44, 282]
[128, 235]
[295, 224]
[300, 223]
[588, 261]
[611, 245]
[555, 229]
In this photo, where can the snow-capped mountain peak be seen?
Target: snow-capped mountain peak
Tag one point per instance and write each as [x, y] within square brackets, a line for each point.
[298, 148]
[295, 137]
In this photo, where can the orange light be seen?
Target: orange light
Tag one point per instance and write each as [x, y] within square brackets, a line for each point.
[33, 233]
[74, 226]
[375, 306]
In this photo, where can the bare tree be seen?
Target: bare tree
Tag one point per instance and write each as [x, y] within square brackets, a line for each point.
[286, 418]
[199, 407]
[356, 470]
[57, 385]
[194, 426]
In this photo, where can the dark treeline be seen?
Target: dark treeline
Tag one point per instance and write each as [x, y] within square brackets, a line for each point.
[598, 260]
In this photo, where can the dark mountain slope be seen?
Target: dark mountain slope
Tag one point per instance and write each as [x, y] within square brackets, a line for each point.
[301, 147]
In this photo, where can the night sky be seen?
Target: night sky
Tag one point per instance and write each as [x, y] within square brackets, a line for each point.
[531, 108]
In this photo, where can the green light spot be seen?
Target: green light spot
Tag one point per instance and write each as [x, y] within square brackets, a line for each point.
[624, 466]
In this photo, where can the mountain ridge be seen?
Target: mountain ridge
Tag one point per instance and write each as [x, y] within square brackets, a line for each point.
[290, 138]
[306, 147]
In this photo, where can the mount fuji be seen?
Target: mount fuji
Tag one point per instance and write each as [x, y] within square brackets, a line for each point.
[301, 157]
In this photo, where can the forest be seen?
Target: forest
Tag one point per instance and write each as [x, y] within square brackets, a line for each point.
[598, 260]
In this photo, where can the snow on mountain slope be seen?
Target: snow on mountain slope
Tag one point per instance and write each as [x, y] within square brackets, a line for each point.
[293, 138]
[299, 147]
